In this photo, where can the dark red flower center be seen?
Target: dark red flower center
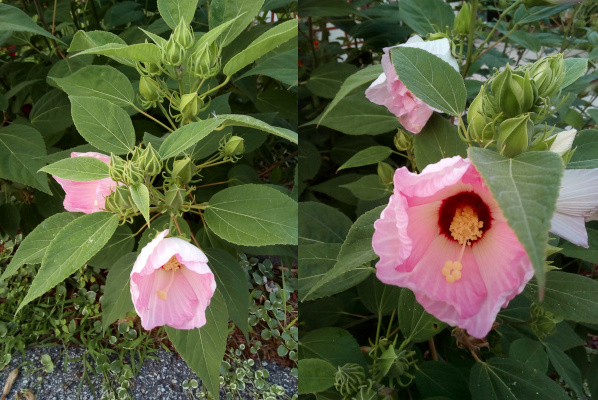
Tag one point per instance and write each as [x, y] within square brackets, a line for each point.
[464, 217]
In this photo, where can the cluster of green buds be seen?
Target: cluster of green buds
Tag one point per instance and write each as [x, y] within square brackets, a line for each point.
[512, 102]
[148, 160]
[349, 379]
[205, 62]
[150, 91]
[181, 40]
[543, 322]
[393, 363]
[403, 141]
[232, 148]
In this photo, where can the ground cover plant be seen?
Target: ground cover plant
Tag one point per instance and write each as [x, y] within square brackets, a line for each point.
[148, 155]
[448, 148]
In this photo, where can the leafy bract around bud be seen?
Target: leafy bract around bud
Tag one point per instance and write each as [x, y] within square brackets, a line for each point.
[234, 147]
[150, 161]
[514, 91]
[514, 135]
[386, 173]
[183, 34]
[548, 73]
[174, 53]
[462, 20]
[189, 105]
[119, 200]
[132, 174]
[116, 166]
[149, 89]
[205, 61]
[149, 68]
[348, 379]
[174, 198]
[403, 141]
[543, 322]
[183, 171]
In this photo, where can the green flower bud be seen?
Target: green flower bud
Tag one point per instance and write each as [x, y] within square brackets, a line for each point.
[149, 89]
[132, 174]
[174, 53]
[543, 322]
[403, 141]
[348, 379]
[515, 93]
[174, 198]
[116, 166]
[205, 62]
[150, 161]
[149, 68]
[184, 35]
[386, 173]
[548, 73]
[462, 20]
[189, 105]
[234, 147]
[122, 197]
[514, 135]
[183, 171]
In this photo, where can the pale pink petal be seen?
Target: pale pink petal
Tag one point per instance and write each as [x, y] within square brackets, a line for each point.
[141, 264]
[563, 141]
[433, 178]
[571, 228]
[185, 252]
[377, 92]
[80, 196]
[99, 156]
[578, 195]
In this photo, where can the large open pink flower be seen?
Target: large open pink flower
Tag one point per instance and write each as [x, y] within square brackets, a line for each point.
[171, 284]
[443, 236]
[390, 92]
[87, 197]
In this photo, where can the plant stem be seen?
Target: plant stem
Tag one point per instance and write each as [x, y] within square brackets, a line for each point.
[166, 115]
[152, 118]
[472, 22]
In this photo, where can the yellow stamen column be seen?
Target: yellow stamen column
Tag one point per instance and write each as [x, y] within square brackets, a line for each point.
[171, 265]
[465, 228]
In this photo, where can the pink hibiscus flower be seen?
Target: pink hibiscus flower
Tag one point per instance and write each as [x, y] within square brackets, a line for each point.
[390, 92]
[443, 236]
[87, 197]
[171, 284]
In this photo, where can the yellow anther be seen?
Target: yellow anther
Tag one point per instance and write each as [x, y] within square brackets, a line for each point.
[452, 271]
[162, 294]
[172, 264]
[466, 226]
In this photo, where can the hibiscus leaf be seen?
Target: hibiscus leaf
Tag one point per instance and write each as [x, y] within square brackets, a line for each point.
[571, 296]
[120, 244]
[378, 297]
[116, 300]
[140, 196]
[186, 136]
[253, 215]
[371, 155]
[250, 122]
[316, 375]
[530, 352]
[526, 188]
[586, 150]
[430, 78]
[501, 378]
[566, 368]
[33, 248]
[231, 279]
[441, 379]
[437, 140]
[242, 11]
[335, 345]
[14, 20]
[416, 324]
[70, 249]
[203, 348]
[425, 16]
[80, 169]
[173, 10]
[321, 223]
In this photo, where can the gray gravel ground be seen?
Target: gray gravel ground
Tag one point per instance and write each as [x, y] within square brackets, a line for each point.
[158, 379]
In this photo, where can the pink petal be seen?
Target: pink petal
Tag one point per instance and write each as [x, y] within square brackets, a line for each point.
[571, 228]
[80, 196]
[99, 156]
[141, 265]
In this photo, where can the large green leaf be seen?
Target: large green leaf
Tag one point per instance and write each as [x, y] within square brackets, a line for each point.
[315, 375]
[321, 223]
[526, 188]
[186, 136]
[22, 150]
[566, 368]
[378, 297]
[371, 155]
[14, 20]
[530, 352]
[571, 296]
[140, 196]
[586, 150]
[268, 41]
[334, 345]
[426, 16]
[326, 80]
[231, 280]
[203, 348]
[33, 248]
[173, 10]
[437, 140]
[575, 68]
[80, 169]
[366, 75]
[120, 244]
[243, 11]
[355, 252]
[435, 378]
[74, 245]
[430, 78]
[100, 81]
[51, 113]
[93, 39]
[281, 66]
[369, 187]
[253, 215]
[416, 324]
[116, 300]
[127, 55]
[103, 124]
[250, 122]
[505, 378]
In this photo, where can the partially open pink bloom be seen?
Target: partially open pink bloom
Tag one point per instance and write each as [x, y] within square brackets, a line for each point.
[390, 92]
[576, 204]
[171, 284]
[87, 197]
[443, 236]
